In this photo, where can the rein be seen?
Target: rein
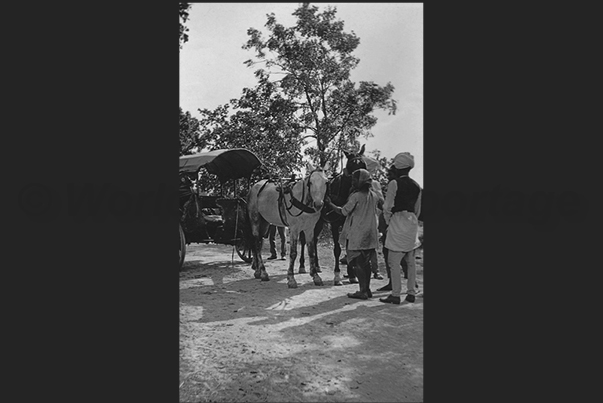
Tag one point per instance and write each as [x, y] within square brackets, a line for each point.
[338, 195]
[337, 216]
[304, 208]
[300, 205]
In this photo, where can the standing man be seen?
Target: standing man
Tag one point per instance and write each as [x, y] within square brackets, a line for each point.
[400, 211]
[272, 240]
[391, 175]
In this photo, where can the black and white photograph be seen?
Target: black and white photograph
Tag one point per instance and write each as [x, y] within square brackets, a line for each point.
[306, 169]
[301, 275]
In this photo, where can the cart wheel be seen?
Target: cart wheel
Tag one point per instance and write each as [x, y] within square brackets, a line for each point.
[243, 250]
[182, 250]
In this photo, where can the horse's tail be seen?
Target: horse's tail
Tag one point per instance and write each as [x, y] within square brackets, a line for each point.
[247, 233]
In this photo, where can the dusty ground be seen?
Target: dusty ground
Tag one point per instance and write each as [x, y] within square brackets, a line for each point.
[243, 340]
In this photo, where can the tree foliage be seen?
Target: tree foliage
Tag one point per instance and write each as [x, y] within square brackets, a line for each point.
[313, 60]
[189, 126]
[189, 133]
[381, 174]
[256, 126]
[304, 98]
[183, 9]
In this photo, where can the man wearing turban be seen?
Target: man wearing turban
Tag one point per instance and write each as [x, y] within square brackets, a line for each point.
[401, 208]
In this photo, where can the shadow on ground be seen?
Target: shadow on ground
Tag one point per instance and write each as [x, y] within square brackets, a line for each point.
[261, 341]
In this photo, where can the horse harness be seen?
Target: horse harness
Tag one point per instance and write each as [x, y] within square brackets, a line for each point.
[286, 188]
[338, 195]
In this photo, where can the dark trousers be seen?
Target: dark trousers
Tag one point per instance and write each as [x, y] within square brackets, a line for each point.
[374, 266]
[272, 239]
[362, 267]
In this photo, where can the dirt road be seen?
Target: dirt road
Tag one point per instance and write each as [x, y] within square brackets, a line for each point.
[243, 340]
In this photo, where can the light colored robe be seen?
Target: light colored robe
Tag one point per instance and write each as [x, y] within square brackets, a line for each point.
[403, 226]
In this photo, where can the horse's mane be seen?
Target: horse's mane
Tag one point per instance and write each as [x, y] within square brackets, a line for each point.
[339, 189]
[341, 184]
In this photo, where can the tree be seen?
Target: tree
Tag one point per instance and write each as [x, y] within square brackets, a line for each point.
[314, 60]
[189, 126]
[257, 126]
[381, 174]
[183, 9]
[189, 133]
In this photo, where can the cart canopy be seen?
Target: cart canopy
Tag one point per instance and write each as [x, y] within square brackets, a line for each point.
[227, 164]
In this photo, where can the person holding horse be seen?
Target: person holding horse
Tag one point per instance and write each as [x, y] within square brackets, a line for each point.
[373, 166]
[400, 211]
[376, 187]
[359, 235]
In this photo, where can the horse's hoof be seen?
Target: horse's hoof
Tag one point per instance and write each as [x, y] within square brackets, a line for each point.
[302, 270]
[292, 284]
[337, 282]
[265, 278]
[317, 280]
[257, 274]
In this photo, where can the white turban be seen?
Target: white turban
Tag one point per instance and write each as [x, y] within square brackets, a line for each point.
[404, 160]
[372, 165]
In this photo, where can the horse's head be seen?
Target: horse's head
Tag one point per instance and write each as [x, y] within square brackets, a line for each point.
[317, 185]
[354, 162]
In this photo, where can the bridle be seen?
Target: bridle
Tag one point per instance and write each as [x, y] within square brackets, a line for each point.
[351, 162]
[304, 205]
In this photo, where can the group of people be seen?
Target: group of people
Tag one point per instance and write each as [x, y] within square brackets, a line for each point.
[367, 213]
[360, 235]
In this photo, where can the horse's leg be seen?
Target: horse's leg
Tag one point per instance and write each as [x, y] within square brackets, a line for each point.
[264, 226]
[302, 242]
[337, 250]
[255, 241]
[255, 265]
[291, 283]
[281, 232]
[317, 231]
[316, 255]
[336, 253]
[312, 258]
[259, 227]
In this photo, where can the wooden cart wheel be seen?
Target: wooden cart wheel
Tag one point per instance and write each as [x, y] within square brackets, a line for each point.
[243, 250]
[182, 250]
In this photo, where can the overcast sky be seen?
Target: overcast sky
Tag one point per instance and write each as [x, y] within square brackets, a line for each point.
[391, 50]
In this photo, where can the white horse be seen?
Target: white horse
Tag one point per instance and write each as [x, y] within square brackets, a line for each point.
[297, 208]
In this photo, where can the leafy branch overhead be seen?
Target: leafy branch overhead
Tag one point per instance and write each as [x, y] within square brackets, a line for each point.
[183, 9]
[190, 132]
[309, 65]
[304, 98]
